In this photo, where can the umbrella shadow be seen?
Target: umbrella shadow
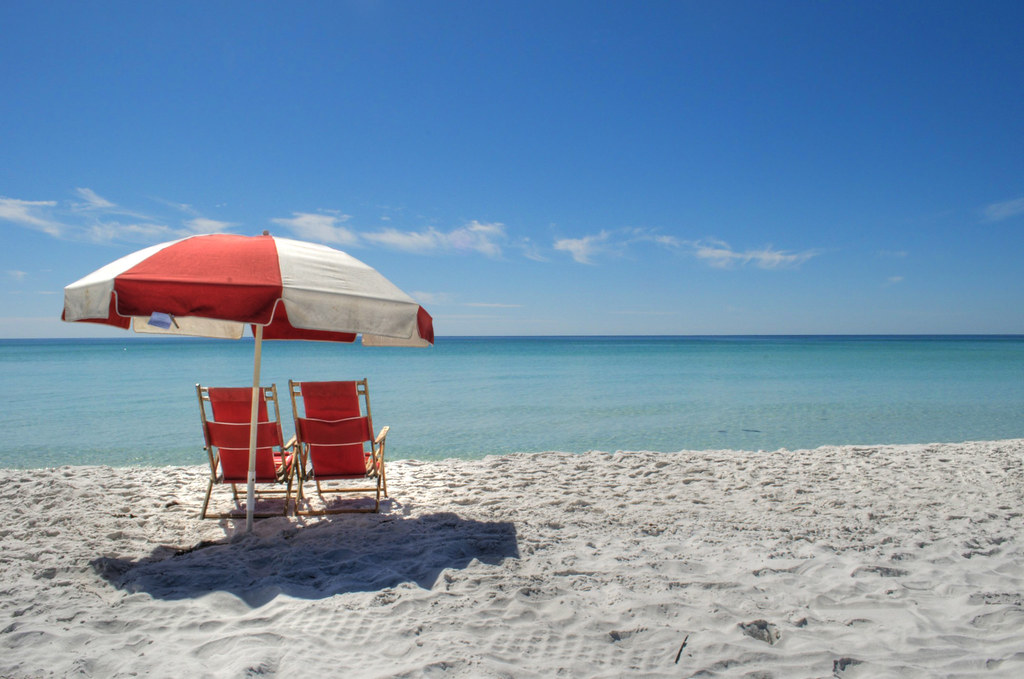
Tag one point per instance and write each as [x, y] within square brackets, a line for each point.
[338, 555]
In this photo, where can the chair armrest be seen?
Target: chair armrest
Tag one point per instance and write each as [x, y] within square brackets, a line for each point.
[291, 443]
[381, 436]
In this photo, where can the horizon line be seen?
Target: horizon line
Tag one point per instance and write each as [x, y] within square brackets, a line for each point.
[144, 337]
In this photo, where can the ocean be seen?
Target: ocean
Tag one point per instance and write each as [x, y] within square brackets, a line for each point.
[131, 400]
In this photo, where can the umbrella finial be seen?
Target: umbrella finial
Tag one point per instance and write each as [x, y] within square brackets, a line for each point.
[265, 232]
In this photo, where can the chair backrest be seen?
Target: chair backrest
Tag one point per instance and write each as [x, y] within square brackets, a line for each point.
[333, 426]
[331, 400]
[226, 431]
[234, 404]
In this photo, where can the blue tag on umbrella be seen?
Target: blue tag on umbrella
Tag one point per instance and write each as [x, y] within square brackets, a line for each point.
[159, 319]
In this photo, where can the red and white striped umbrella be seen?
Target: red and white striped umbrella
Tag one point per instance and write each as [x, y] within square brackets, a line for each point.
[216, 285]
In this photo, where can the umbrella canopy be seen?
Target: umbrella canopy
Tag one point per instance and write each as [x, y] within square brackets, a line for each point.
[215, 285]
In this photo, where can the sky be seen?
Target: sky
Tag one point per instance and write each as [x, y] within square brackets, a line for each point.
[536, 168]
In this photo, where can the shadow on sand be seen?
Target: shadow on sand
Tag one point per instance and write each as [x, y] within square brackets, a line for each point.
[341, 554]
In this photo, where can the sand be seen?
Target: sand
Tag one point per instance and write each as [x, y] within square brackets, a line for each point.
[868, 561]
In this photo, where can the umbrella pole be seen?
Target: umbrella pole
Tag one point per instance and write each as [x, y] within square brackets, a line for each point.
[250, 496]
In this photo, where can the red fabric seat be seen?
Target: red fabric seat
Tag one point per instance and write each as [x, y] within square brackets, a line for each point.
[336, 447]
[232, 441]
[331, 400]
[226, 430]
[334, 432]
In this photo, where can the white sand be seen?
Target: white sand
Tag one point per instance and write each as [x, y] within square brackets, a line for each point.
[900, 561]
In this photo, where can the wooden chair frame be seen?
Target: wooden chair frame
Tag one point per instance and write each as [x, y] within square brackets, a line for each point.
[270, 434]
[375, 470]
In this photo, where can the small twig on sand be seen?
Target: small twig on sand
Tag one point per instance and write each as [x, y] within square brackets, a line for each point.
[681, 647]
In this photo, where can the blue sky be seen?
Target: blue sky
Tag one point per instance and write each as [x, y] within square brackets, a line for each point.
[537, 167]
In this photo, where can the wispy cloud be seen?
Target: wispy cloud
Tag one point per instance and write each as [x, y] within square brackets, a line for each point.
[587, 249]
[113, 231]
[93, 201]
[101, 221]
[483, 238]
[898, 254]
[721, 255]
[478, 237]
[322, 228]
[583, 250]
[91, 217]
[448, 299]
[17, 275]
[639, 235]
[996, 212]
[893, 280]
[421, 242]
[184, 208]
[98, 205]
[433, 297]
[32, 214]
[531, 250]
[715, 252]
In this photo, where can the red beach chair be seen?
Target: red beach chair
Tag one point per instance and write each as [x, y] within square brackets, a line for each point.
[334, 433]
[226, 431]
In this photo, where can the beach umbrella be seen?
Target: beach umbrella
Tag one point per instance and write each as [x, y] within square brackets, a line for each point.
[216, 285]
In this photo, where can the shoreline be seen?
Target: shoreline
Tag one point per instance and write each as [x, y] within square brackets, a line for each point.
[900, 560]
[203, 466]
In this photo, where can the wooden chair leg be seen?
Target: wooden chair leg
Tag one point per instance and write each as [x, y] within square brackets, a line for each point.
[206, 502]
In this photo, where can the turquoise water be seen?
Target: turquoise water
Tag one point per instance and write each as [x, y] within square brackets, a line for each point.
[132, 401]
